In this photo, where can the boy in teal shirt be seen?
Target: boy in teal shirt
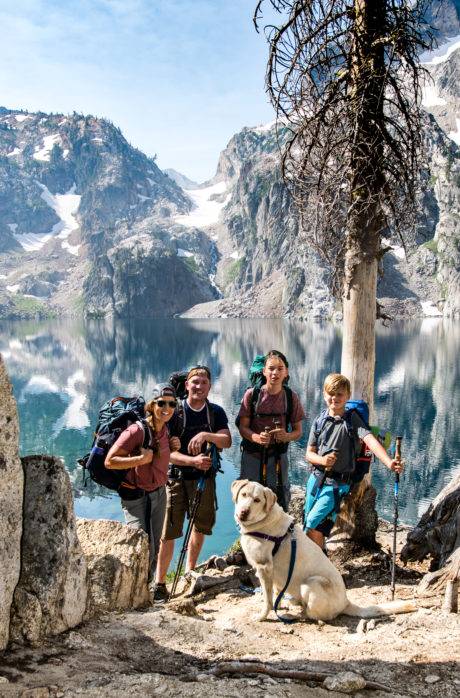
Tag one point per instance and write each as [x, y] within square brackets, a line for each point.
[331, 454]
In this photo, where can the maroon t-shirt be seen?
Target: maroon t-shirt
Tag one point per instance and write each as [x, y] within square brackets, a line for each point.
[151, 475]
[274, 406]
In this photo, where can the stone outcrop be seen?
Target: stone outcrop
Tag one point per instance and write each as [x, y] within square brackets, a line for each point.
[118, 559]
[11, 491]
[51, 594]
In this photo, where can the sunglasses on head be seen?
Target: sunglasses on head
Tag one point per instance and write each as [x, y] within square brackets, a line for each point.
[199, 368]
[165, 403]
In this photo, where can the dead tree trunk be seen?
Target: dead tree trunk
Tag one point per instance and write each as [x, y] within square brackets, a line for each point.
[437, 534]
[364, 226]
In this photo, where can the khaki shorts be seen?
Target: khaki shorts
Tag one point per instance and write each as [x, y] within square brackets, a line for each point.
[180, 494]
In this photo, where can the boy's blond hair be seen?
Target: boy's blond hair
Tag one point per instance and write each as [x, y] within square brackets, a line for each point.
[335, 382]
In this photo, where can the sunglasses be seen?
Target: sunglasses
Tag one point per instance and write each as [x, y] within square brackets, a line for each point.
[199, 368]
[166, 403]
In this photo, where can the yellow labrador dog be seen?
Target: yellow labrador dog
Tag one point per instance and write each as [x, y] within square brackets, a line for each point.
[316, 584]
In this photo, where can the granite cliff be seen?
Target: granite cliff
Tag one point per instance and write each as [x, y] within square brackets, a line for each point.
[87, 224]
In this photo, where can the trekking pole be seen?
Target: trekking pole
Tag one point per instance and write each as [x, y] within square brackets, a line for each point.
[215, 468]
[395, 517]
[263, 474]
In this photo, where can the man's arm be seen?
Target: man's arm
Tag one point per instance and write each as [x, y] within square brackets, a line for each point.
[221, 439]
[200, 461]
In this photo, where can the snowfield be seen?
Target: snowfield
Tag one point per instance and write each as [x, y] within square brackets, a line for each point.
[65, 206]
[43, 153]
[206, 212]
[442, 52]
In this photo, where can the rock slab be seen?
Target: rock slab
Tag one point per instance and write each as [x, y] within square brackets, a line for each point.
[11, 492]
[118, 561]
[51, 595]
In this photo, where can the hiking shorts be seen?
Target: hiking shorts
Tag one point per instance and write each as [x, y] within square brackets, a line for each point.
[180, 494]
[319, 512]
[251, 470]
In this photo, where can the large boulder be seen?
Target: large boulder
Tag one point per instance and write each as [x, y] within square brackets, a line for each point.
[52, 592]
[11, 489]
[118, 564]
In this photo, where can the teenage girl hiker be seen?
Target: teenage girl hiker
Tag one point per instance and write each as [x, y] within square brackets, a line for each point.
[143, 492]
[266, 434]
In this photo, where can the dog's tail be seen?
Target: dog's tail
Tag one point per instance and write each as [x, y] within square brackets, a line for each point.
[383, 609]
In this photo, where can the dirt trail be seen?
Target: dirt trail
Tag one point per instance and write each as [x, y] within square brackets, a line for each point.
[160, 652]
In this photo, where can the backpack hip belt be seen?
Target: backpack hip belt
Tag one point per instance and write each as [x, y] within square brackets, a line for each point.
[323, 474]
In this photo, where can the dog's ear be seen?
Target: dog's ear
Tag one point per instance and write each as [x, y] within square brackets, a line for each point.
[236, 486]
[270, 499]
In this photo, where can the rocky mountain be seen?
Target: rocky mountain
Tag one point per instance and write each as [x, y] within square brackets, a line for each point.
[180, 179]
[271, 271]
[87, 222]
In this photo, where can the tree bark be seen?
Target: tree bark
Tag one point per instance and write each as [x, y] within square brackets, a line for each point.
[364, 227]
[358, 343]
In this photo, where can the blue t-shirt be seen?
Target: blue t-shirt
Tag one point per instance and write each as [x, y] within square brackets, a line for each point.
[192, 423]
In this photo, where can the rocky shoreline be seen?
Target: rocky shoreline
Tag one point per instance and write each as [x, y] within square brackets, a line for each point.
[211, 643]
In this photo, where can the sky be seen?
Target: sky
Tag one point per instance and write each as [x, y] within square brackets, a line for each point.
[179, 77]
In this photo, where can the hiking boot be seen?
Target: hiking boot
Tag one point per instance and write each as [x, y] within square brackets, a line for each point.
[160, 593]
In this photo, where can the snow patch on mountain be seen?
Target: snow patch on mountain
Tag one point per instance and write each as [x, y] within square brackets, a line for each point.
[442, 52]
[430, 310]
[430, 95]
[264, 127]
[65, 206]
[14, 152]
[207, 210]
[455, 135]
[184, 253]
[43, 153]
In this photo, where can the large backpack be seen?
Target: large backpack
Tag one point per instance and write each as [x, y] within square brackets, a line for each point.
[257, 380]
[115, 416]
[178, 380]
[360, 460]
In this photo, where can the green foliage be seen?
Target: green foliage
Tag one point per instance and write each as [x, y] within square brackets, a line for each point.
[79, 303]
[235, 547]
[232, 272]
[191, 263]
[431, 245]
[25, 307]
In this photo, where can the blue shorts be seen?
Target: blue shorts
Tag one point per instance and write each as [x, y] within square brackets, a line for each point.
[319, 511]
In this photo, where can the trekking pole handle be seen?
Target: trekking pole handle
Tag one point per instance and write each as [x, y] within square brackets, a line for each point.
[398, 454]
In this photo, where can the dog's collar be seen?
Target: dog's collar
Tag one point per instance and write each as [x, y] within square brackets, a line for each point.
[277, 540]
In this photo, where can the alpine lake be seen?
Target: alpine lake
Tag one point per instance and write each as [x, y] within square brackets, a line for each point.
[62, 371]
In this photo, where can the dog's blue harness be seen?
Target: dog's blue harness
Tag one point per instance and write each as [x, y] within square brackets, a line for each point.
[277, 540]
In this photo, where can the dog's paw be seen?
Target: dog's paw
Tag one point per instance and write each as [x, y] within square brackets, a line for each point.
[259, 617]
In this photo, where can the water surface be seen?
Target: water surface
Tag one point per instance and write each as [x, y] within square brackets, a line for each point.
[62, 371]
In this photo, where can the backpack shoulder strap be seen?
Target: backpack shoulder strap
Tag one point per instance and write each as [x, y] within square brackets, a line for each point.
[255, 400]
[211, 415]
[289, 405]
[147, 438]
[347, 418]
[320, 422]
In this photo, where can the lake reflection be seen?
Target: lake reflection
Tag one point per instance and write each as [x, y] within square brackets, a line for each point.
[62, 371]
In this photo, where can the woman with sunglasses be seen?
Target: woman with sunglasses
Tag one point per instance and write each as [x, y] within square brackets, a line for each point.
[143, 494]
